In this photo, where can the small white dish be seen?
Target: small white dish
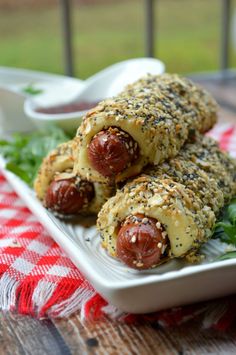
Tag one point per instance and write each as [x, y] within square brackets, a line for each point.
[172, 284]
[66, 121]
[104, 84]
[17, 80]
[13, 92]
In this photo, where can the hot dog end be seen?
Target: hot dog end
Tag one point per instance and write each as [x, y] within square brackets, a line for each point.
[141, 242]
[180, 198]
[155, 115]
[65, 193]
[68, 196]
[111, 151]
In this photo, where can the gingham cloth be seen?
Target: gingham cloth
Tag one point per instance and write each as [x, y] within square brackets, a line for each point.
[37, 278]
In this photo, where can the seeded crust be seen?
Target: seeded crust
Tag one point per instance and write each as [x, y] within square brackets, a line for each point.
[184, 195]
[205, 154]
[59, 165]
[158, 112]
[188, 174]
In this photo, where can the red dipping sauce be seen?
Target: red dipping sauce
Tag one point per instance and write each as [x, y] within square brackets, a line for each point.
[68, 108]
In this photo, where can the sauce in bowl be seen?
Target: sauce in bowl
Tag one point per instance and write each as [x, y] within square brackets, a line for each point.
[68, 108]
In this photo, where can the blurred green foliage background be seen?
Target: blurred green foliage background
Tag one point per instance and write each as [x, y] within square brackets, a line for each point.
[187, 35]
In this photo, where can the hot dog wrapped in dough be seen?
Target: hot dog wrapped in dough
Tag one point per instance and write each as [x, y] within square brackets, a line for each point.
[147, 123]
[170, 210]
[207, 156]
[63, 192]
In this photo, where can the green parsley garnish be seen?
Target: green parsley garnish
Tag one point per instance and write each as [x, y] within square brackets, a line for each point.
[24, 152]
[31, 90]
[225, 228]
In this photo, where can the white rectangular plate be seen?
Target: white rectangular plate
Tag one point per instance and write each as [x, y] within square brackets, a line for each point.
[175, 283]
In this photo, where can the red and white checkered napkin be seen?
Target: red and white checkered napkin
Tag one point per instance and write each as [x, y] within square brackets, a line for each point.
[37, 278]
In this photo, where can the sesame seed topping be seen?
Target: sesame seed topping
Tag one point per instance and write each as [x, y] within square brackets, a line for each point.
[164, 234]
[139, 264]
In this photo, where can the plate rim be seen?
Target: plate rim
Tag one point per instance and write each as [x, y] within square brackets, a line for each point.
[87, 268]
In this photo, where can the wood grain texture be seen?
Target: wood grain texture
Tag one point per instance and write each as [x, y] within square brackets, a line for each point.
[109, 337]
[25, 335]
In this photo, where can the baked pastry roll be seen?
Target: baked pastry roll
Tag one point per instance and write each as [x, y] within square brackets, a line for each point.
[65, 193]
[170, 210]
[207, 156]
[147, 123]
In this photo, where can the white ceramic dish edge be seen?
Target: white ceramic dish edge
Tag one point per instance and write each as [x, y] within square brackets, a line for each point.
[13, 81]
[146, 292]
[106, 83]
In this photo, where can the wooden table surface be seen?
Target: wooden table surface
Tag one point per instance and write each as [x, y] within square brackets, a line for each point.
[25, 335]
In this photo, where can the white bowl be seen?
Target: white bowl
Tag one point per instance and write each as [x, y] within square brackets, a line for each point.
[13, 83]
[104, 84]
[67, 121]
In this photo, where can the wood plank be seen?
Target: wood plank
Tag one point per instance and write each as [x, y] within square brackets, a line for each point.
[26, 335]
[110, 337]
[194, 340]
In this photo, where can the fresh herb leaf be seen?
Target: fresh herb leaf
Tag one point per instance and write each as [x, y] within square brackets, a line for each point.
[229, 230]
[3, 142]
[24, 153]
[225, 228]
[229, 255]
[31, 90]
[19, 172]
